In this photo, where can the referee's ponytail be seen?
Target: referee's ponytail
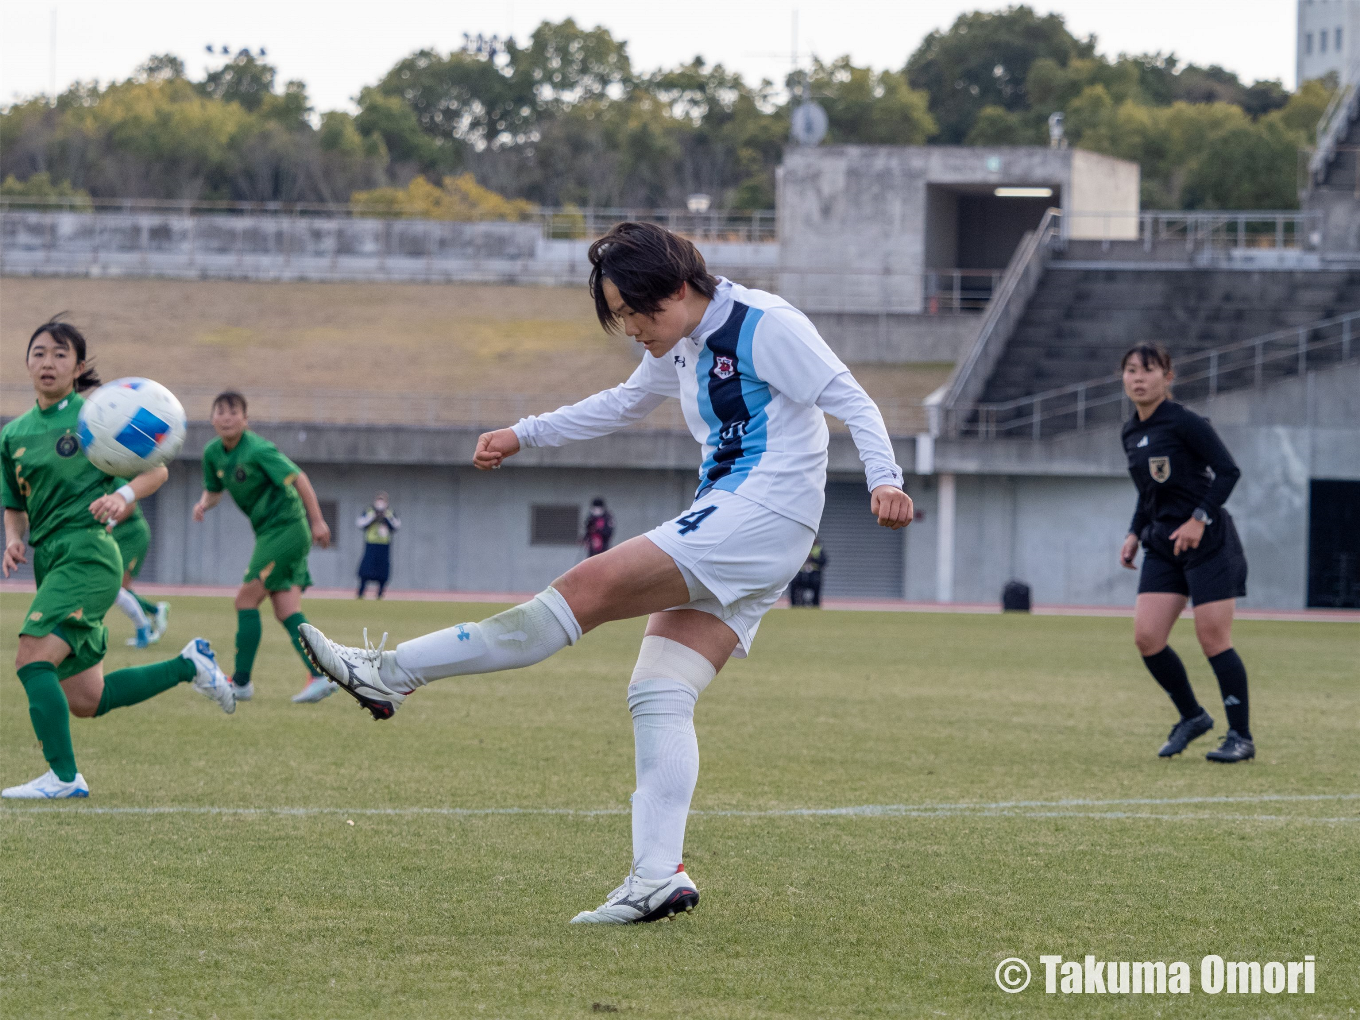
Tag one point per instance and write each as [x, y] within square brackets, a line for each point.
[66, 335]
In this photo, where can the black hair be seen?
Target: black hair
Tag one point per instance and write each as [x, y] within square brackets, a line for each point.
[231, 398]
[66, 335]
[597, 501]
[1148, 353]
[648, 264]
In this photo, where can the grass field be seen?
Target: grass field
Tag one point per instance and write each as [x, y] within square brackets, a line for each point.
[1031, 817]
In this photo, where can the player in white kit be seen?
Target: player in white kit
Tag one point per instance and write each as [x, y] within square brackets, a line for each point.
[753, 378]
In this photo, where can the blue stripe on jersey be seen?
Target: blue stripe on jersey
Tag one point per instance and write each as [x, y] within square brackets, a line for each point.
[732, 401]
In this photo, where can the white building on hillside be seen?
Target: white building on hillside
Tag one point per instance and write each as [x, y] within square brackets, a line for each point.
[1328, 39]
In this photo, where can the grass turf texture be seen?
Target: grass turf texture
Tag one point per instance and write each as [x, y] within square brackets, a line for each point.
[266, 913]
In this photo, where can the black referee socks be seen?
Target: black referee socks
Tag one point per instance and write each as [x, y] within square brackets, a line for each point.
[1168, 670]
[1232, 683]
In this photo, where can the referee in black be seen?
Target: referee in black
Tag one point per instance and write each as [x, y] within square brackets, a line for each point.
[1184, 474]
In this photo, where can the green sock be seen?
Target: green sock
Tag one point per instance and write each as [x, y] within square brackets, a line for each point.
[51, 717]
[291, 625]
[148, 607]
[247, 643]
[137, 683]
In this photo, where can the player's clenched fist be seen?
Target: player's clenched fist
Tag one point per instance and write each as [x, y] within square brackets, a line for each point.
[891, 506]
[494, 447]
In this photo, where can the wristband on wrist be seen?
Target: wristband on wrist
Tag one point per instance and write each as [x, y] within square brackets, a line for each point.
[129, 497]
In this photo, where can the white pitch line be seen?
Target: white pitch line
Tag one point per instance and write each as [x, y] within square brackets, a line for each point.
[1000, 809]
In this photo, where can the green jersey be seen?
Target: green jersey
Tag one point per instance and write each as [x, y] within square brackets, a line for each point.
[44, 473]
[259, 478]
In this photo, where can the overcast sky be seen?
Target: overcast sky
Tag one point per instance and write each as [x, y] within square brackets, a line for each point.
[338, 46]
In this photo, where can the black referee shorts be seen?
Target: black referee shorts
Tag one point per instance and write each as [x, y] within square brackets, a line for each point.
[1215, 571]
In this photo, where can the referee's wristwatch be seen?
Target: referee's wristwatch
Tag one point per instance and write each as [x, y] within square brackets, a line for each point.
[1201, 516]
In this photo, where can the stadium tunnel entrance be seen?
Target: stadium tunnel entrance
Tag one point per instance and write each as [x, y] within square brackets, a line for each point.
[972, 230]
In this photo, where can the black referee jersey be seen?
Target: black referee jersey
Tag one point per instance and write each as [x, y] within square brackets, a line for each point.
[1180, 465]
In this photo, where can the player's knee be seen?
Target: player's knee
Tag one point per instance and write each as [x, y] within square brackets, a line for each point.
[1149, 642]
[661, 658]
[1214, 639]
[82, 708]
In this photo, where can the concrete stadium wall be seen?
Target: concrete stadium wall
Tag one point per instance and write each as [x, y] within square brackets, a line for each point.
[315, 248]
[1051, 513]
[854, 219]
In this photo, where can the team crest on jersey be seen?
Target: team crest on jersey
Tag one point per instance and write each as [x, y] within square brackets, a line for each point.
[724, 367]
[1160, 468]
[67, 446]
[240, 474]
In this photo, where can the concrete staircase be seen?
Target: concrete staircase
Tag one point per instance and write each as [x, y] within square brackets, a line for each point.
[1080, 321]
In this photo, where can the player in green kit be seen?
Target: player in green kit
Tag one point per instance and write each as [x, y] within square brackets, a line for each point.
[284, 514]
[61, 503]
[133, 536]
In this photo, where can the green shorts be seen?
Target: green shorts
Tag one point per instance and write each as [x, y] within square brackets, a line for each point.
[280, 558]
[134, 538]
[79, 573]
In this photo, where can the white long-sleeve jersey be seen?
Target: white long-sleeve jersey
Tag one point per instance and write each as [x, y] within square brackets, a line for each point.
[753, 383]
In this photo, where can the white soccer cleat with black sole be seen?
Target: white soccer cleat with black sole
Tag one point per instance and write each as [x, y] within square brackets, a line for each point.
[47, 787]
[640, 900]
[318, 688]
[210, 681]
[357, 670]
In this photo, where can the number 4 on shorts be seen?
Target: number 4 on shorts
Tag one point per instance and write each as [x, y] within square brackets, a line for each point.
[691, 521]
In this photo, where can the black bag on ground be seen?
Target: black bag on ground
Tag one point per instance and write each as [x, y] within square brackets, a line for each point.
[1015, 597]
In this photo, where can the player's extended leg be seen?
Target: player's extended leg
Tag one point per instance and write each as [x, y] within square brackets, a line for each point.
[633, 579]
[1213, 627]
[1154, 615]
[680, 656]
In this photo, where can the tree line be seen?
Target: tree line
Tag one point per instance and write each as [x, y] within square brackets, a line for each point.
[565, 119]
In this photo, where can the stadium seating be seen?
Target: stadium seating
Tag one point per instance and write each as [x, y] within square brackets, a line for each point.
[1081, 320]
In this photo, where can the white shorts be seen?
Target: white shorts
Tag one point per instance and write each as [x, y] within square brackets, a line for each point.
[737, 558]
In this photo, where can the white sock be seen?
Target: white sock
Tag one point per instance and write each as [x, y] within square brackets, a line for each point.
[128, 603]
[666, 684]
[518, 637]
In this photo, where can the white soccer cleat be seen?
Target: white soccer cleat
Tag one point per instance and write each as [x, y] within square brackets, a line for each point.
[317, 688]
[356, 670]
[640, 900]
[243, 692]
[47, 787]
[161, 622]
[145, 637]
[211, 682]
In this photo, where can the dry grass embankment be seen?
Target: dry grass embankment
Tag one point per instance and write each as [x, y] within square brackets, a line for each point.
[356, 352]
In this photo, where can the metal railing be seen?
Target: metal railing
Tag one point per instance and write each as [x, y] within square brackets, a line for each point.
[1101, 401]
[1003, 314]
[959, 290]
[566, 223]
[1336, 118]
[1198, 230]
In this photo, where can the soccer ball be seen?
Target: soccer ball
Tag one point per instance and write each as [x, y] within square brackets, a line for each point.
[131, 425]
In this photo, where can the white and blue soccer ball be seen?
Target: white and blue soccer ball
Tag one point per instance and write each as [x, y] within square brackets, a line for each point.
[131, 425]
